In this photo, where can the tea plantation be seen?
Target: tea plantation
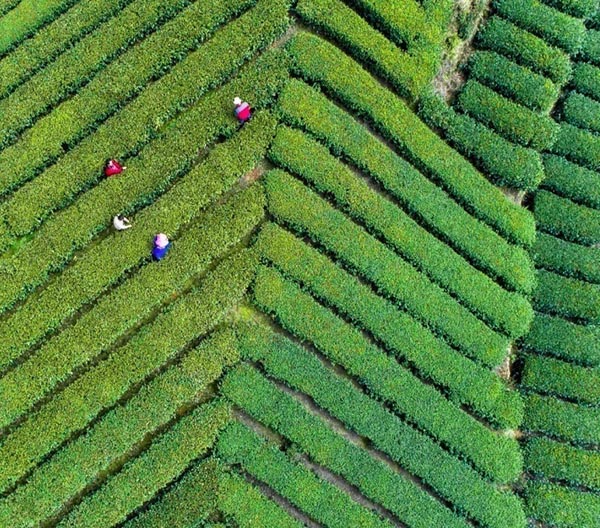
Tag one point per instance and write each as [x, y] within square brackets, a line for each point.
[381, 302]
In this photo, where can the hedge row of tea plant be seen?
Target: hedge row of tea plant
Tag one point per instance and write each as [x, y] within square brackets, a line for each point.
[304, 107]
[80, 462]
[318, 61]
[128, 305]
[302, 156]
[141, 120]
[414, 451]
[247, 506]
[314, 496]
[25, 18]
[190, 316]
[571, 181]
[504, 163]
[372, 260]
[555, 27]
[493, 455]
[516, 82]
[513, 121]
[284, 414]
[562, 420]
[220, 170]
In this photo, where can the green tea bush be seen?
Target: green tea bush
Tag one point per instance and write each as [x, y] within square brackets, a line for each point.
[553, 460]
[82, 461]
[590, 51]
[558, 506]
[504, 162]
[318, 61]
[417, 26]
[513, 81]
[322, 501]
[495, 456]
[526, 49]
[128, 305]
[304, 107]
[576, 8]
[398, 333]
[141, 120]
[563, 339]
[582, 112]
[188, 502]
[566, 258]
[262, 400]
[72, 69]
[241, 501]
[25, 18]
[556, 377]
[563, 420]
[586, 79]
[414, 451]
[571, 181]
[50, 41]
[578, 145]
[511, 120]
[100, 387]
[552, 25]
[375, 262]
[144, 476]
[563, 218]
[567, 297]
[298, 153]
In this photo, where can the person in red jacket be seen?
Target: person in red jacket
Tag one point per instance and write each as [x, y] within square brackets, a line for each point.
[113, 167]
[242, 110]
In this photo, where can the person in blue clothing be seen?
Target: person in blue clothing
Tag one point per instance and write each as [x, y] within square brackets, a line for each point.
[161, 246]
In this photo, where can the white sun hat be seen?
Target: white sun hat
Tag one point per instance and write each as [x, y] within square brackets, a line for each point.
[161, 240]
[237, 101]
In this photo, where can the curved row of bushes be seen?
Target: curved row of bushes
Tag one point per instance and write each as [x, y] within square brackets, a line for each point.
[318, 61]
[51, 485]
[494, 456]
[302, 156]
[304, 107]
[414, 451]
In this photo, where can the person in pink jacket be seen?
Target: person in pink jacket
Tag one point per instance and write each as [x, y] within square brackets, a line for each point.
[242, 110]
[113, 167]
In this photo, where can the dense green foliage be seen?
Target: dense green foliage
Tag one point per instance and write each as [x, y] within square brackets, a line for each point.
[512, 121]
[101, 386]
[318, 61]
[571, 181]
[503, 162]
[320, 499]
[526, 49]
[513, 81]
[78, 464]
[495, 456]
[414, 451]
[555, 27]
[313, 162]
